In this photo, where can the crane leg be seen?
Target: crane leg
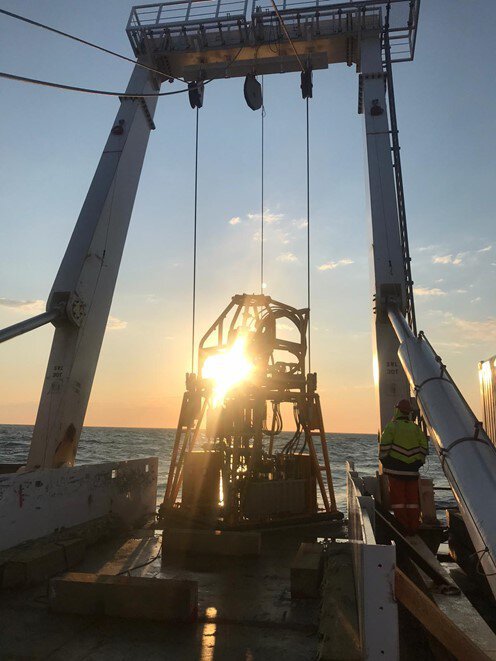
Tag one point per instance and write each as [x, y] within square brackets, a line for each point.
[86, 279]
[387, 261]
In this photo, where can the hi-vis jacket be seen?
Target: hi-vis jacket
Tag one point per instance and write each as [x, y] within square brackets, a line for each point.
[403, 446]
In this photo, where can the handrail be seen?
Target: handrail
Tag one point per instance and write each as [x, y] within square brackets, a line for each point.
[152, 22]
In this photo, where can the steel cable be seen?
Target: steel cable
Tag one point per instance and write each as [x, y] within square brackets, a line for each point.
[308, 237]
[195, 216]
[262, 197]
[87, 90]
[85, 42]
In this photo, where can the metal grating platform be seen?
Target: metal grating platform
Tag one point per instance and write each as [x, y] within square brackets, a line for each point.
[225, 38]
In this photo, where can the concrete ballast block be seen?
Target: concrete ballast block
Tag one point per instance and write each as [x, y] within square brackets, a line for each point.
[34, 565]
[306, 571]
[74, 551]
[125, 596]
[212, 542]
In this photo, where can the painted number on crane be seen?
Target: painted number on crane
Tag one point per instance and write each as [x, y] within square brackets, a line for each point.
[57, 375]
[391, 367]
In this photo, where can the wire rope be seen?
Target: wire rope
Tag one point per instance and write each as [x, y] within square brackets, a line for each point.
[308, 237]
[87, 90]
[85, 42]
[121, 95]
[262, 196]
[195, 218]
[286, 33]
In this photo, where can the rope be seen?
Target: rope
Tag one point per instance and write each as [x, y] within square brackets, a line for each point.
[262, 199]
[285, 30]
[473, 439]
[432, 378]
[87, 90]
[87, 43]
[195, 215]
[308, 238]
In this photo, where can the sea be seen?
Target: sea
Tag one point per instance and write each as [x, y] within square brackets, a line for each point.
[102, 444]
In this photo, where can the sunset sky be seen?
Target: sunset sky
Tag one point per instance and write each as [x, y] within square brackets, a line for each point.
[52, 140]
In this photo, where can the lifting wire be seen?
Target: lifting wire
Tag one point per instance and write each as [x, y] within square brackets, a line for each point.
[288, 37]
[308, 237]
[194, 247]
[262, 201]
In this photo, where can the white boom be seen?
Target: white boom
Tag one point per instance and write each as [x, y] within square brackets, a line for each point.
[86, 279]
[467, 455]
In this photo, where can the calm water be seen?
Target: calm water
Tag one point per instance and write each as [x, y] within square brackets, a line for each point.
[100, 444]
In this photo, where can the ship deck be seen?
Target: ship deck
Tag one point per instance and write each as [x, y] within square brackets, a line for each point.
[245, 608]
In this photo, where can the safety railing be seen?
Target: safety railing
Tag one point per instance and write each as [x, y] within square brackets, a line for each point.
[175, 25]
[311, 19]
[177, 12]
[373, 567]
[363, 14]
[156, 21]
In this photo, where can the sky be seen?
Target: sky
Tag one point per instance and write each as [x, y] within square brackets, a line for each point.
[52, 140]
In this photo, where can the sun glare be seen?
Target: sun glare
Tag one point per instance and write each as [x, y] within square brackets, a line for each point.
[485, 374]
[227, 369]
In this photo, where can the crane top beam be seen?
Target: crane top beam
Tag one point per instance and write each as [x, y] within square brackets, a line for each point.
[199, 39]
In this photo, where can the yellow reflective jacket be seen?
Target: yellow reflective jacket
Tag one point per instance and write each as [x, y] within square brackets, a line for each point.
[403, 446]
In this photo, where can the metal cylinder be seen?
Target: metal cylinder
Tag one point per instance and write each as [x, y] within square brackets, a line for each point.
[468, 457]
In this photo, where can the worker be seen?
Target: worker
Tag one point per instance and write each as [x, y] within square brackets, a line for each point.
[403, 449]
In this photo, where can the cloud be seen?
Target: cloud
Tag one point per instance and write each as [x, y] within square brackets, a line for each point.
[287, 257]
[454, 347]
[425, 291]
[460, 291]
[476, 299]
[283, 237]
[330, 266]
[114, 323]
[448, 259]
[485, 249]
[476, 331]
[269, 216]
[429, 248]
[34, 306]
[300, 224]
[235, 220]
[291, 328]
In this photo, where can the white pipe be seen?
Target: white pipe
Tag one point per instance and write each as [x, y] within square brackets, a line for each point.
[467, 455]
[29, 324]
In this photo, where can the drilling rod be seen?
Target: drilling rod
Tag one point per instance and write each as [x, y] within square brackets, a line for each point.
[468, 457]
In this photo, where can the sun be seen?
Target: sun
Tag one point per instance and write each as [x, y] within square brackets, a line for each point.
[227, 369]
